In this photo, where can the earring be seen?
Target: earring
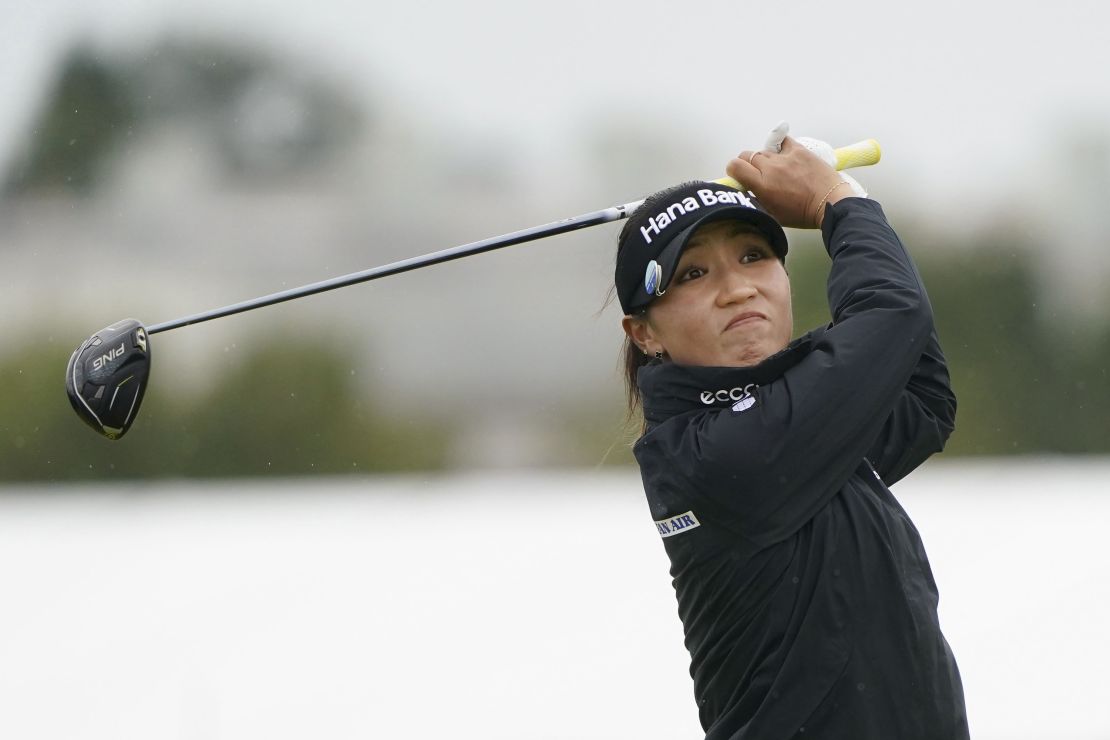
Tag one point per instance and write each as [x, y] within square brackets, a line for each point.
[658, 354]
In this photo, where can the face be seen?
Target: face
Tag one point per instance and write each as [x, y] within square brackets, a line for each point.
[728, 304]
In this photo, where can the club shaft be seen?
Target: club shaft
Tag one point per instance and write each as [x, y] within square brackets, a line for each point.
[614, 213]
[856, 155]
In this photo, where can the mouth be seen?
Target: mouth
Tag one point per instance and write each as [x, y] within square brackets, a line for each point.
[745, 319]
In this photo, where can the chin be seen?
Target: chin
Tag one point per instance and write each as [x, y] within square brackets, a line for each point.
[747, 359]
[751, 362]
[752, 355]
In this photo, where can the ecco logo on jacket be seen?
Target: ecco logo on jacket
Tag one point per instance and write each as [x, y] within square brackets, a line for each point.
[741, 396]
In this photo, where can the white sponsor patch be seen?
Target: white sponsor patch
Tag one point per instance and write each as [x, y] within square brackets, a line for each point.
[677, 524]
[746, 402]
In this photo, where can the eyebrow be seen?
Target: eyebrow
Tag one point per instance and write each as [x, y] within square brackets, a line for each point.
[735, 228]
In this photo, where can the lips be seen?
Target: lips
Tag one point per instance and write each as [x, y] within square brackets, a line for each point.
[745, 319]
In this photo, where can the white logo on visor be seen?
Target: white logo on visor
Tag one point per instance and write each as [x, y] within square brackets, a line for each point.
[653, 278]
[705, 197]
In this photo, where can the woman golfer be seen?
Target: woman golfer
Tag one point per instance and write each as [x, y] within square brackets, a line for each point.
[806, 597]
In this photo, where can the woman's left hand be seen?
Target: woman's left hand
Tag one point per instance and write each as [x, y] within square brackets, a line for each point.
[794, 185]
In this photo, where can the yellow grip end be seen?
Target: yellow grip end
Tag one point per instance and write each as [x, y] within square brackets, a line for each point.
[860, 154]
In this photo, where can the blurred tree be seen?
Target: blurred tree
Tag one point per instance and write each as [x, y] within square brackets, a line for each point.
[259, 118]
[808, 265]
[292, 408]
[1075, 395]
[286, 408]
[85, 116]
[984, 302]
[262, 117]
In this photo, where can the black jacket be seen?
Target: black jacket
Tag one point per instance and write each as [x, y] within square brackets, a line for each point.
[809, 607]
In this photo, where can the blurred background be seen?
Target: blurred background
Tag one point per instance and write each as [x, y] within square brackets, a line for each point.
[158, 159]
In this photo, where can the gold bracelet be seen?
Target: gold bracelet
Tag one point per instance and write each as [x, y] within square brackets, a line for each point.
[825, 198]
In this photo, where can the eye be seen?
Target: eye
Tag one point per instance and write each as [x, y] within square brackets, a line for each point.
[691, 273]
[752, 255]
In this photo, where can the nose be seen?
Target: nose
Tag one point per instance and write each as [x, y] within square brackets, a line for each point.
[735, 286]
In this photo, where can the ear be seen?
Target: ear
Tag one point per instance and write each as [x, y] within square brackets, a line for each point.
[640, 332]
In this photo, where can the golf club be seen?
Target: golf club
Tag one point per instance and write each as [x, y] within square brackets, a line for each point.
[107, 374]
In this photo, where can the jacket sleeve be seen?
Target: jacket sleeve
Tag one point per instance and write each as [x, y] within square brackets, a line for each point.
[770, 469]
[921, 421]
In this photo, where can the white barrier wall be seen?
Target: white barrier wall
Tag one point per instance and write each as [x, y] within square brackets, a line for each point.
[532, 605]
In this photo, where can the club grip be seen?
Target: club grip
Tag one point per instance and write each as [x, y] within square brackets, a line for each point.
[861, 154]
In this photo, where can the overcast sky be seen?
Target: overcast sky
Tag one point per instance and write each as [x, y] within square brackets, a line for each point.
[966, 97]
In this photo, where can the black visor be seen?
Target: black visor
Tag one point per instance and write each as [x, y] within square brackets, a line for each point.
[656, 235]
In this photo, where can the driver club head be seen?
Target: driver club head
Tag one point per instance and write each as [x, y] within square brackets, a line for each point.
[106, 377]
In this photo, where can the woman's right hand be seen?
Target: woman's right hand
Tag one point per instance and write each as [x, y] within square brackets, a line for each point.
[795, 185]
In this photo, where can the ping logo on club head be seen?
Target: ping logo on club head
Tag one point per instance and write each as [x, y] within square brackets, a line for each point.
[112, 354]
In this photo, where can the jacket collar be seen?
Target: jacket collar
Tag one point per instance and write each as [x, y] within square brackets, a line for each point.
[668, 389]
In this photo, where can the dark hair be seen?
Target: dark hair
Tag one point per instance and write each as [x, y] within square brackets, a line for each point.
[632, 357]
